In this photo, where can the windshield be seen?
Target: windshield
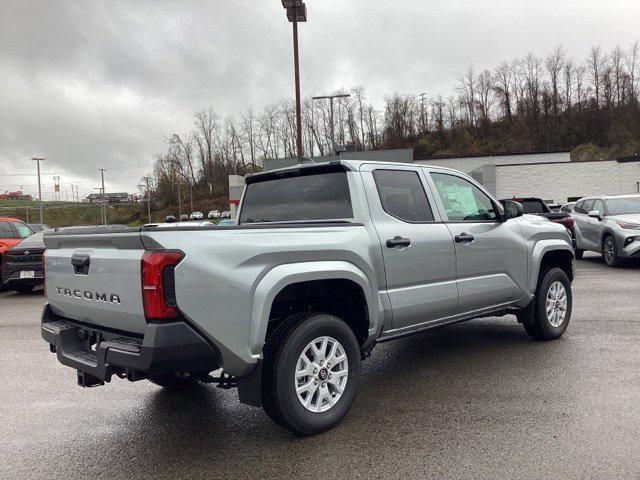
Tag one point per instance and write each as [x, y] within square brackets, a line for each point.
[321, 196]
[622, 206]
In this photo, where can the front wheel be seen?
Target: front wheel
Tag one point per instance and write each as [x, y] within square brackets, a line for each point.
[553, 306]
[610, 252]
[311, 372]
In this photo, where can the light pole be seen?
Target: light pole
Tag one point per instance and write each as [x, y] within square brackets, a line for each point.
[331, 97]
[38, 160]
[296, 12]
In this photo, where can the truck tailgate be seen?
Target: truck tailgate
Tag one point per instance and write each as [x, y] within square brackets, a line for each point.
[95, 278]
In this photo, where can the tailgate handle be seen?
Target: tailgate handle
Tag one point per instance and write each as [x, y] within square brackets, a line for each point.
[80, 262]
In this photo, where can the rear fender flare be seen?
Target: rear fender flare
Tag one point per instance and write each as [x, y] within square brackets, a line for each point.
[283, 275]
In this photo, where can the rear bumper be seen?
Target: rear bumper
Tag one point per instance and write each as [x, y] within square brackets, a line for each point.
[98, 354]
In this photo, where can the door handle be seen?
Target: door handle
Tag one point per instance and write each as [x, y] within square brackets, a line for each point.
[398, 242]
[464, 237]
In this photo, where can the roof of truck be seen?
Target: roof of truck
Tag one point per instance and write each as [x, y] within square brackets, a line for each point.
[333, 166]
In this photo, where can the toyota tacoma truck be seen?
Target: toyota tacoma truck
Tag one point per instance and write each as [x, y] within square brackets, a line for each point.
[326, 260]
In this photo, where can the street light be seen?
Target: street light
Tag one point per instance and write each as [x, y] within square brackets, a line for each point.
[331, 97]
[296, 12]
[38, 160]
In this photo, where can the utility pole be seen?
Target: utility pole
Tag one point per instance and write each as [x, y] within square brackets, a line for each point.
[104, 207]
[422, 119]
[331, 125]
[296, 12]
[38, 160]
[179, 201]
[146, 181]
[26, 210]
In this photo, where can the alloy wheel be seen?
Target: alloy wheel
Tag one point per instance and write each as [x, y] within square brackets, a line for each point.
[321, 374]
[556, 304]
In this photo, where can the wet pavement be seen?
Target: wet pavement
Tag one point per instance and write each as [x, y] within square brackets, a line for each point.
[475, 400]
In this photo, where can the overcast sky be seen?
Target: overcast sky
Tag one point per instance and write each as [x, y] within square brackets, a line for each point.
[92, 84]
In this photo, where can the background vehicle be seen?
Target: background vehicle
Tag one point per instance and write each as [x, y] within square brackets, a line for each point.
[225, 214]
[22, 264]
[537, 206]
[169, 219]
[567, 207]
[12, 231]
[184, 217]
[38, 227]
[213, 214]
[196, 216]
[609, 225]
[326, 261]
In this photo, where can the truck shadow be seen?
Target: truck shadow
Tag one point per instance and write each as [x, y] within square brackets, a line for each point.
[424, 382]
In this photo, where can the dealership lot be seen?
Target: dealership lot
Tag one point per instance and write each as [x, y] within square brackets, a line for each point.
[477, 399]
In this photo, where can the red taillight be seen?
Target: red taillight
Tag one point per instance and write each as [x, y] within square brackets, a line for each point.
[158, 295]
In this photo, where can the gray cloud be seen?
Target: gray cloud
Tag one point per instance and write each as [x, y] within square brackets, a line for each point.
[100, 84]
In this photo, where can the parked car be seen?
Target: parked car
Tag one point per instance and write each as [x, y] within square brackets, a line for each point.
[609, 225]
[38, 227]
[537, 206]
[12, 232]
[289, 311]
[22, 264]
[567, 207]
[169, 219]
[213, 214]
[225, 214]
[196, 216]
[184, 217]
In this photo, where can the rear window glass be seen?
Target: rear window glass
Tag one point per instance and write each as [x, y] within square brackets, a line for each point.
[402, 195]
[322, 196]
[533, 206]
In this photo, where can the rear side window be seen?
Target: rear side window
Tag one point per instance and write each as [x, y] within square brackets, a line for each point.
[402, 195]
[321, 196]
[6, 231]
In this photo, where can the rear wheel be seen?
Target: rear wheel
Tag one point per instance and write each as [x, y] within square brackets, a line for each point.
[610, 252]
[311, 373]
[553, 306]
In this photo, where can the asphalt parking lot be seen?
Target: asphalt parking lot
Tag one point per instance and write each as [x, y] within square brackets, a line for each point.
[475, 400]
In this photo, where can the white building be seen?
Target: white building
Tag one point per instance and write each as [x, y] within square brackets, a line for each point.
[550, 176]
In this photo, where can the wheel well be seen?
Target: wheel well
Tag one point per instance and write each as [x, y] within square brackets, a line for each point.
[557, 258]
[340, 297]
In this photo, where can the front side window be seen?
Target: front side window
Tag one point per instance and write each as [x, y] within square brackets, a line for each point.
[402, 195]
[310, 197]
[587, 206]
[599, 206]
[462, 200]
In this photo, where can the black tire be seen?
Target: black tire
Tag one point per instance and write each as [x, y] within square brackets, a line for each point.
[172, 381]
[281, 354]
[579, 253]
[538, 325]
[23, 289]
[610, 251]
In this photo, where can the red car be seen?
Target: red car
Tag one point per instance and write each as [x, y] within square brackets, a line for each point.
[12, 232]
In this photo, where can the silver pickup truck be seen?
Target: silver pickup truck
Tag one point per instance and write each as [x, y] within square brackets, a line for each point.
[326, 260]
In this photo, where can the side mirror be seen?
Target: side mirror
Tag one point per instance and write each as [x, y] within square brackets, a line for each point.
[513, 209]
[595, 214]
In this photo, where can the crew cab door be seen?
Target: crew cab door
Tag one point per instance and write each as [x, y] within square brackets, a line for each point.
[417, 248]
[491, 254]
